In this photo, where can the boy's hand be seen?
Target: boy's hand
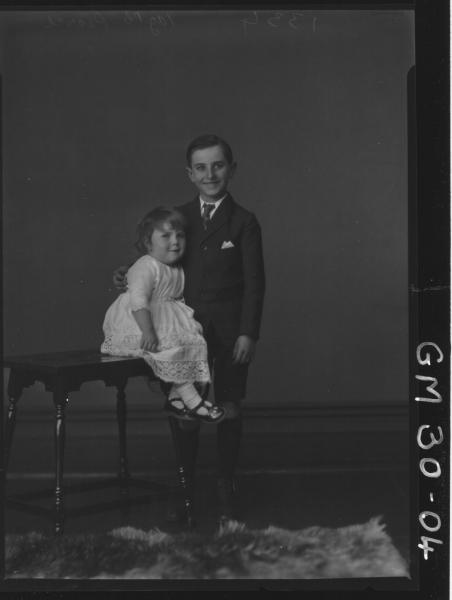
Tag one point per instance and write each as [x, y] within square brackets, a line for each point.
[149, 341]
[243, 350]
[120, 279]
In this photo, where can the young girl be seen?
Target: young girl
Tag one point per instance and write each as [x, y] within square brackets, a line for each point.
[152, 320]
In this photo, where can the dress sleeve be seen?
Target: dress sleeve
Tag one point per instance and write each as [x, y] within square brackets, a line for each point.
[141, 279]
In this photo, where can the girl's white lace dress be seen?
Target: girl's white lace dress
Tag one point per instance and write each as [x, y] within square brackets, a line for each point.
[182, 350]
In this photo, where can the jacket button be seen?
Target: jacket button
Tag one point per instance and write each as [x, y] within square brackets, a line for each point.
[204, 247]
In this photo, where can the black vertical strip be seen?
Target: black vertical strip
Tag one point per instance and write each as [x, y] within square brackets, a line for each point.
[433, 147]
[430, 290]
[414, 317]
[2, 443]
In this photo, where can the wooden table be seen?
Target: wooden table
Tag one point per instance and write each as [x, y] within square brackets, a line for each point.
[63, 373]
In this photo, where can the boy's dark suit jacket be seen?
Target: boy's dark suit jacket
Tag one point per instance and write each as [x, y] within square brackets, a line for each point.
[224, 285]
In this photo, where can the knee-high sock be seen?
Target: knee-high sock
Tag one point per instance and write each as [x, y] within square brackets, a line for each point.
[187, 392]
[229, 435]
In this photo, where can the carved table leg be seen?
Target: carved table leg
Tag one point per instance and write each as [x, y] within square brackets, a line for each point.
[16, 384]
[9, 429]
[121, 413]
[183, 475]
[60, 399]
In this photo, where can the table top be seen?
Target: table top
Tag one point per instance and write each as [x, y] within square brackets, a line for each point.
[56, 361]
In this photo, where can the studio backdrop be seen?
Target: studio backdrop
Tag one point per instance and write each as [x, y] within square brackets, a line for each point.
[97, 111]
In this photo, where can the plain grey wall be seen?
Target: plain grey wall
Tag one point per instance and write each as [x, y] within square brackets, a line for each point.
[97, 114]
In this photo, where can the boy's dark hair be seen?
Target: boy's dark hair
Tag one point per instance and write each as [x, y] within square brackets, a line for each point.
[207, 141]
[154, 220]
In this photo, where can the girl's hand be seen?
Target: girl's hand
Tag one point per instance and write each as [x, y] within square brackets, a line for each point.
[120, 279]
[149, 341]
[243, 350]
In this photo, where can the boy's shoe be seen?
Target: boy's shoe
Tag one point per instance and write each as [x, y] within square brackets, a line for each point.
[226, 493]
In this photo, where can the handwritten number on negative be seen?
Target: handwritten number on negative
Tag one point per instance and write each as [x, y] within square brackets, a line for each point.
[425, 545]
[293, 21]
[247, 22]
[275, 21]
[433, 441]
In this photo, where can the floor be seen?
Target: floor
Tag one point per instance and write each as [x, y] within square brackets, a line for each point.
[291, 475]
[292, 499]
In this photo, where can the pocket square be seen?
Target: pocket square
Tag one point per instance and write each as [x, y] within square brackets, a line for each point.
[226, 245]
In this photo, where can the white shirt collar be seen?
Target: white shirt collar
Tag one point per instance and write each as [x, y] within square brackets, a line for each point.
[216, 204]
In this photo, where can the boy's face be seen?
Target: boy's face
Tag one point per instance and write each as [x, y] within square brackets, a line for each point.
[210, 172]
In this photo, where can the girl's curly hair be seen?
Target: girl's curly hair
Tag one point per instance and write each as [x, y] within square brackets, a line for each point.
[154, 220]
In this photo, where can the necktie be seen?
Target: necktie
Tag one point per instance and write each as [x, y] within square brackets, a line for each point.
[207, 208]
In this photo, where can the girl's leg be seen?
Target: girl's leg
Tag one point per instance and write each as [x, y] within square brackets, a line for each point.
[190, 397]
[174, 398]
[186, 392]
[183, 400]
[196, 405]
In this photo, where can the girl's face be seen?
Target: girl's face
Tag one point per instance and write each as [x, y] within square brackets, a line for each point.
[167, 244]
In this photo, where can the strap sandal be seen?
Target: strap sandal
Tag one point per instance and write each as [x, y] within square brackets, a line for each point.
[208, 404]
[213, 415]
[202, 388]
[176, 411]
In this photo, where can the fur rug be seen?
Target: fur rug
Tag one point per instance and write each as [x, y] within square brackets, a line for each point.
[234, 552]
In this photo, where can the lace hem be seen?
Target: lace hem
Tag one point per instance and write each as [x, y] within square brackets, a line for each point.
[173, 371]
[180, 371]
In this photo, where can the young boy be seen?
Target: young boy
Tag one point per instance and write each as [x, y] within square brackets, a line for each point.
[224, 284]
